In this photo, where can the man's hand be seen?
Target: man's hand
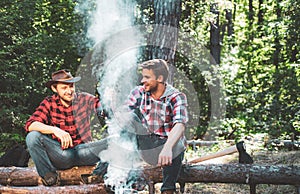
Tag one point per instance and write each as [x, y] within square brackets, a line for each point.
[65, 138]
[165, 157]
[166, 154]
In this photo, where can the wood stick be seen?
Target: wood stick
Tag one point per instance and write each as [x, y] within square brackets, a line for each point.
[226, 151]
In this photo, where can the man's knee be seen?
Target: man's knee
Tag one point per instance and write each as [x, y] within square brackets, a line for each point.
[32, 138]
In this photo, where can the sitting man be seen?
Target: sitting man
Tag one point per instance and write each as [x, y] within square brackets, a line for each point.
[162, 110]
[59, 130]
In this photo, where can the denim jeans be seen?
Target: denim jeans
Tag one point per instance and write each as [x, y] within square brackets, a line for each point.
[48, 156]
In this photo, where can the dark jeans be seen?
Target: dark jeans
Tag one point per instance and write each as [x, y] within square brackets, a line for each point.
[150, 147]
[171, 173]
[48, 155]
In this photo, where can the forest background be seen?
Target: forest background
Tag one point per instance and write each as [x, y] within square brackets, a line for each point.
[258, 61]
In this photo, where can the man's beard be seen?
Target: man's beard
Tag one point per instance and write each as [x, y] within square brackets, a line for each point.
[67, 101]
[153, 89]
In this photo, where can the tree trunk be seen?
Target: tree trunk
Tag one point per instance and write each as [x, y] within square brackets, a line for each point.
[215, 47]
[277, 76]
[260, 16]
[251, 12]
[212, 173]
[164, 36]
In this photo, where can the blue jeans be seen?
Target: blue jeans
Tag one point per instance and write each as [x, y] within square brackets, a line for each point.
[48, 156]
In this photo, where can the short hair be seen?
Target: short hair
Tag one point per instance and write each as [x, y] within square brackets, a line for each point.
[159, 67]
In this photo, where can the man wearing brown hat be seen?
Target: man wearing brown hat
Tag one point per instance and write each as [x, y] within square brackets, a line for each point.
[59, 135]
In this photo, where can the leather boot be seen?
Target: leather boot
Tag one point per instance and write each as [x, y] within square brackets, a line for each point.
[51, 179]
[168, 192]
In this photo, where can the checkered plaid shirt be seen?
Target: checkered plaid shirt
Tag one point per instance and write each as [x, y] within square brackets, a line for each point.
[74, 119]
[159, 116]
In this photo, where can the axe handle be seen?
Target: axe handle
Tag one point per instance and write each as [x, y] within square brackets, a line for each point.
[226, 151]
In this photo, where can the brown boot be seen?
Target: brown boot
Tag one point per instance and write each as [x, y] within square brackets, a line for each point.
[168, 192]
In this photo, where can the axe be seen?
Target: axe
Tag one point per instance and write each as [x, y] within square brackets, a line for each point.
[244, 157]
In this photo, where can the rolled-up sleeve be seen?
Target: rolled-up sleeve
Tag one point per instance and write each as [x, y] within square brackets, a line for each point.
[180, 109]
[41, 114]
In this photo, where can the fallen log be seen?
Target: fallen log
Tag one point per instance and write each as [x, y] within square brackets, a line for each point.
[208, 173]
[74, 189]
[284, 143]
[72, 176]
[18, 176]
[242, 174]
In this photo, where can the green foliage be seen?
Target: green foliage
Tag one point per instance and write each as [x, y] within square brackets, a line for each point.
[38, 38]
[262, 92]
[259, 72]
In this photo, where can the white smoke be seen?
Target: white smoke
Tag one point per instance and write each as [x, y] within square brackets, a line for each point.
[113, 44]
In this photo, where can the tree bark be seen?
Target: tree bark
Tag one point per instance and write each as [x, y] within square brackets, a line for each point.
[74, 189]
[260, 16]
[164, 37]
[215, 47]
[242, 174]
[212, 173]
[17, 176]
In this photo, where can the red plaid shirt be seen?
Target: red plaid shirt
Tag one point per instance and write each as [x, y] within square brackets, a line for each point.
[159, 116]
[74, 119]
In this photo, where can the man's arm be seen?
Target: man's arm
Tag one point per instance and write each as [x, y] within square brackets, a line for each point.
[65, 138]
[165, 156]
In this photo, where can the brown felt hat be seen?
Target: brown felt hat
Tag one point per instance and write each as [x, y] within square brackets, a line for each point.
[63, 76]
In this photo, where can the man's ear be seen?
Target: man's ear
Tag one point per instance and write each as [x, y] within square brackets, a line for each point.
[53, 88]
[160, 79]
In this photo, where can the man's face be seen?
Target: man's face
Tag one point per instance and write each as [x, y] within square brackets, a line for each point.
[149, 80]
[66, 91]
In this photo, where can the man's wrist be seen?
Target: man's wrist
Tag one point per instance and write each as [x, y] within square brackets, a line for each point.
[54, 129]
[168, 146]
